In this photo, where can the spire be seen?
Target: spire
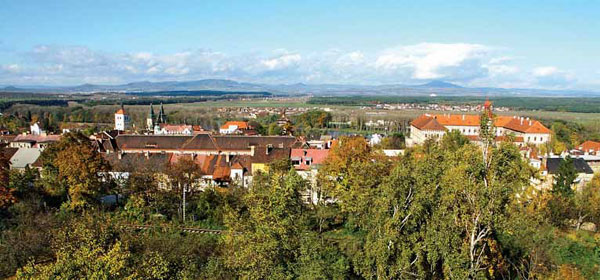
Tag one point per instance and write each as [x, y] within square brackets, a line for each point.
[162, 117]
[151, 113]
[121, 110]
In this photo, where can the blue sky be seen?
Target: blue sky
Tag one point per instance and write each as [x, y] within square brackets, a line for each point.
[545, 44]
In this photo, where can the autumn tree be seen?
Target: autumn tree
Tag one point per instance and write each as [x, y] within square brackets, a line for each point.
[183, 177]
[6, 194]
[75, 170]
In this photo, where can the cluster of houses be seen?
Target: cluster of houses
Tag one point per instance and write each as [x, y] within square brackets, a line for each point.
[236, 153]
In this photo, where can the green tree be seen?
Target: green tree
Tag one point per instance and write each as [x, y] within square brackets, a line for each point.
[264, 237]
[565, 177]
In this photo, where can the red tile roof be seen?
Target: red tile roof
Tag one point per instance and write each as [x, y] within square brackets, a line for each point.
[317, 157]
[439, 122]
[239, 124]
[588, 146]
[427, 122]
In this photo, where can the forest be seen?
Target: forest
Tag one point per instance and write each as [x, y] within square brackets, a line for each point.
[443, 210]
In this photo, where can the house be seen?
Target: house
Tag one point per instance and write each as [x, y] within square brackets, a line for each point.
[584, 171]
[590, 147]
[33, 141]
[307, 162]
[435, 126]
[177, 129]
[234, 127]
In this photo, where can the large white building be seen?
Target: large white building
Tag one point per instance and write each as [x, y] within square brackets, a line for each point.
[524, 130]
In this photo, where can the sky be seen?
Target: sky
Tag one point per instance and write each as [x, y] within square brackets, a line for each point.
[512, 44]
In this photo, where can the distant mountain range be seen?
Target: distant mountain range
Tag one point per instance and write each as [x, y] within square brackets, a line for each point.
[433, 87]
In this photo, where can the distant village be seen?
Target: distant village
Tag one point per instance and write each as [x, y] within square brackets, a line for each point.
[236, 151]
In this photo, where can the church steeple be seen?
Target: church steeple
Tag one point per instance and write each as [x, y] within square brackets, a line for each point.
[162, 117]
[150, 119]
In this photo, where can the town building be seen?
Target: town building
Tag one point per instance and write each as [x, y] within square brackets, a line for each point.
[435, 126]
[306, 162]
[40, 141]
[177, 129]
[234, 127]
[590, 148]
[122, 121]
[222, 159]
[584, 171]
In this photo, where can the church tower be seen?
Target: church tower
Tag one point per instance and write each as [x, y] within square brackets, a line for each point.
[121, 119]
[150, 119]
[162, 117]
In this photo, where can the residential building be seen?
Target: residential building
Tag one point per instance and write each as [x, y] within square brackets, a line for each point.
[234, 127]
[584, 171]
[307, 162]
[33, 141]
[177, 129]
[590, 147]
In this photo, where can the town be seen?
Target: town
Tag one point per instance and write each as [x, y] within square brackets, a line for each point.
[236, 151]
[299, 140]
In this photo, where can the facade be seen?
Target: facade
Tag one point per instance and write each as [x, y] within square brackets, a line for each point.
[33, 141]
[177, 129]
[306, 162]
[122, 120]
[435, 126]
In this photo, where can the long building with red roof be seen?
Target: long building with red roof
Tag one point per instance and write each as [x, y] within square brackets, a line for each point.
[434, 126]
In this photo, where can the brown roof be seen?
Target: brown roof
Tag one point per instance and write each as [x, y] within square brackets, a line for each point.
[243, 142]
[7, 152]
[200, 142]
[427, 122]
[147, 142]
[521, 124]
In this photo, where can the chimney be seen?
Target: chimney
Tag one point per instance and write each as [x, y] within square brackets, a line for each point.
[227, 157]
[252, 149]
[530, 123]
[521, 120]
[463, 117]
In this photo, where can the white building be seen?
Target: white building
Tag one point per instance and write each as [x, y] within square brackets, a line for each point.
[524, 130]
[121, 120]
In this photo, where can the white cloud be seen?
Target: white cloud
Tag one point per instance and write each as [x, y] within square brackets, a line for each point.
[282, 61]
[552, 77]
[436, 61]
[467, 64]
